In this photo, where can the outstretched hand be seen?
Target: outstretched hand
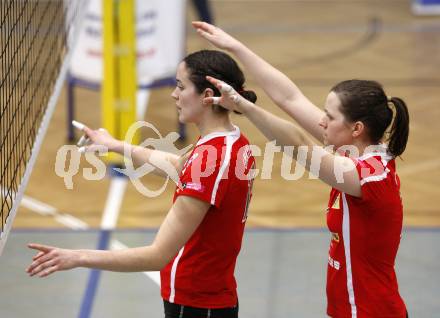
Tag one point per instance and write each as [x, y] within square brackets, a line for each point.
[215, 35]
[51, 259]
[96, 140]
[229, 99]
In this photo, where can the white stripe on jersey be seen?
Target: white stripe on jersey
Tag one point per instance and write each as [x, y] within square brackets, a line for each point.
[230, 140]
[383, 155]
[233, 133]
[346, 236]
[375, 178]
[380, 150]
[173, 274]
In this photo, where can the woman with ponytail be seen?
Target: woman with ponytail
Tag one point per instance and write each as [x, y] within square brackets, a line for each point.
[363, 131]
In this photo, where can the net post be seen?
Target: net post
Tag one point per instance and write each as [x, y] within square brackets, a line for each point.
[119, 78]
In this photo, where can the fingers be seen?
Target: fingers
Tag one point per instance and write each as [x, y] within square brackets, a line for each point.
[38, 256]
[81, 126]
[197, 24]
[229, 99]
[83, 141]
[84, 138]
[88, 130]
[78, 125]
[48, 271]
[40, 247]
[200, 25]
[40, 264]
[86, 142]
[225, 88]
[206, 35]
[214, 100]
[215, 82]
[208, 100]
[204, 29]
[41, 257]
[222, 86]
[42, 269]
[93, 148]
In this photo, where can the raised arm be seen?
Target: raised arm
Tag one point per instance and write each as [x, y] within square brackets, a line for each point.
[180, 223]
[277, 86]
[337, 171]
[101, 139]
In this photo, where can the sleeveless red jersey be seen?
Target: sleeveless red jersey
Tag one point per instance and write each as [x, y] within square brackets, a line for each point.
[218, 172]
[366, 232]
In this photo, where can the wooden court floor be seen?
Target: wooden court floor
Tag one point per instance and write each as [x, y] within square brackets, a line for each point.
[317, 44]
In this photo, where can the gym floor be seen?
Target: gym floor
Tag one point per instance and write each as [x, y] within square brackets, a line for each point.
[280, 273]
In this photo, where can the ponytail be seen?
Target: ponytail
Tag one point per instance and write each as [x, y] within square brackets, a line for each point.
[249, 95]
[399, 132]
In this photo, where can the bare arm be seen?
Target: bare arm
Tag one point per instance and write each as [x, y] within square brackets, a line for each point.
[337, 171]
[139, 155]
[180, 223]
[277, 86]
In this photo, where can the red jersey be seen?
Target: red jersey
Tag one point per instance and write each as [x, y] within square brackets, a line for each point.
[218, 171]
[366, 231]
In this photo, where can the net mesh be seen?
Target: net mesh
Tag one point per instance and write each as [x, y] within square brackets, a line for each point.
[36, 38]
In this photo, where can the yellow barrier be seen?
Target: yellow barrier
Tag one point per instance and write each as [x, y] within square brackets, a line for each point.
[119, 83]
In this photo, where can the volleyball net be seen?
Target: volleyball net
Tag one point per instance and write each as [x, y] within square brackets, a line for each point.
[36, 40]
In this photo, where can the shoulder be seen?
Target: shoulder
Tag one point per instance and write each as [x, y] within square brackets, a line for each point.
[374, 167]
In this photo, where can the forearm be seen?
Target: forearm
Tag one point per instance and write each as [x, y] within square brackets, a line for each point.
[141, 155]
[137, 259]
[180, 223]
[275, 128]
[277, 85]
[281, 90]
[337, 171]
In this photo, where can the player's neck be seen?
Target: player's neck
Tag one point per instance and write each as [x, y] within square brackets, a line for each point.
[365, 148]
[215, 124]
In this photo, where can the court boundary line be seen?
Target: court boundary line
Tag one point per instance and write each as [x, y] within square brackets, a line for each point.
[42, 208]
[115, 196]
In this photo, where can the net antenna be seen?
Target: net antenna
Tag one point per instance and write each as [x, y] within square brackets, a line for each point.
[37, 38]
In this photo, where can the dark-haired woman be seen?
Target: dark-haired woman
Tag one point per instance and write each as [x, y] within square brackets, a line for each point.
[198, 243]
[364, 213]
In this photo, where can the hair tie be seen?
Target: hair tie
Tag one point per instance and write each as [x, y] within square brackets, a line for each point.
[391, 106]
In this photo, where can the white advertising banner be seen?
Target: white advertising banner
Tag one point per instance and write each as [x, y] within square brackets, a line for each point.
[426, 7]
[160, 41]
